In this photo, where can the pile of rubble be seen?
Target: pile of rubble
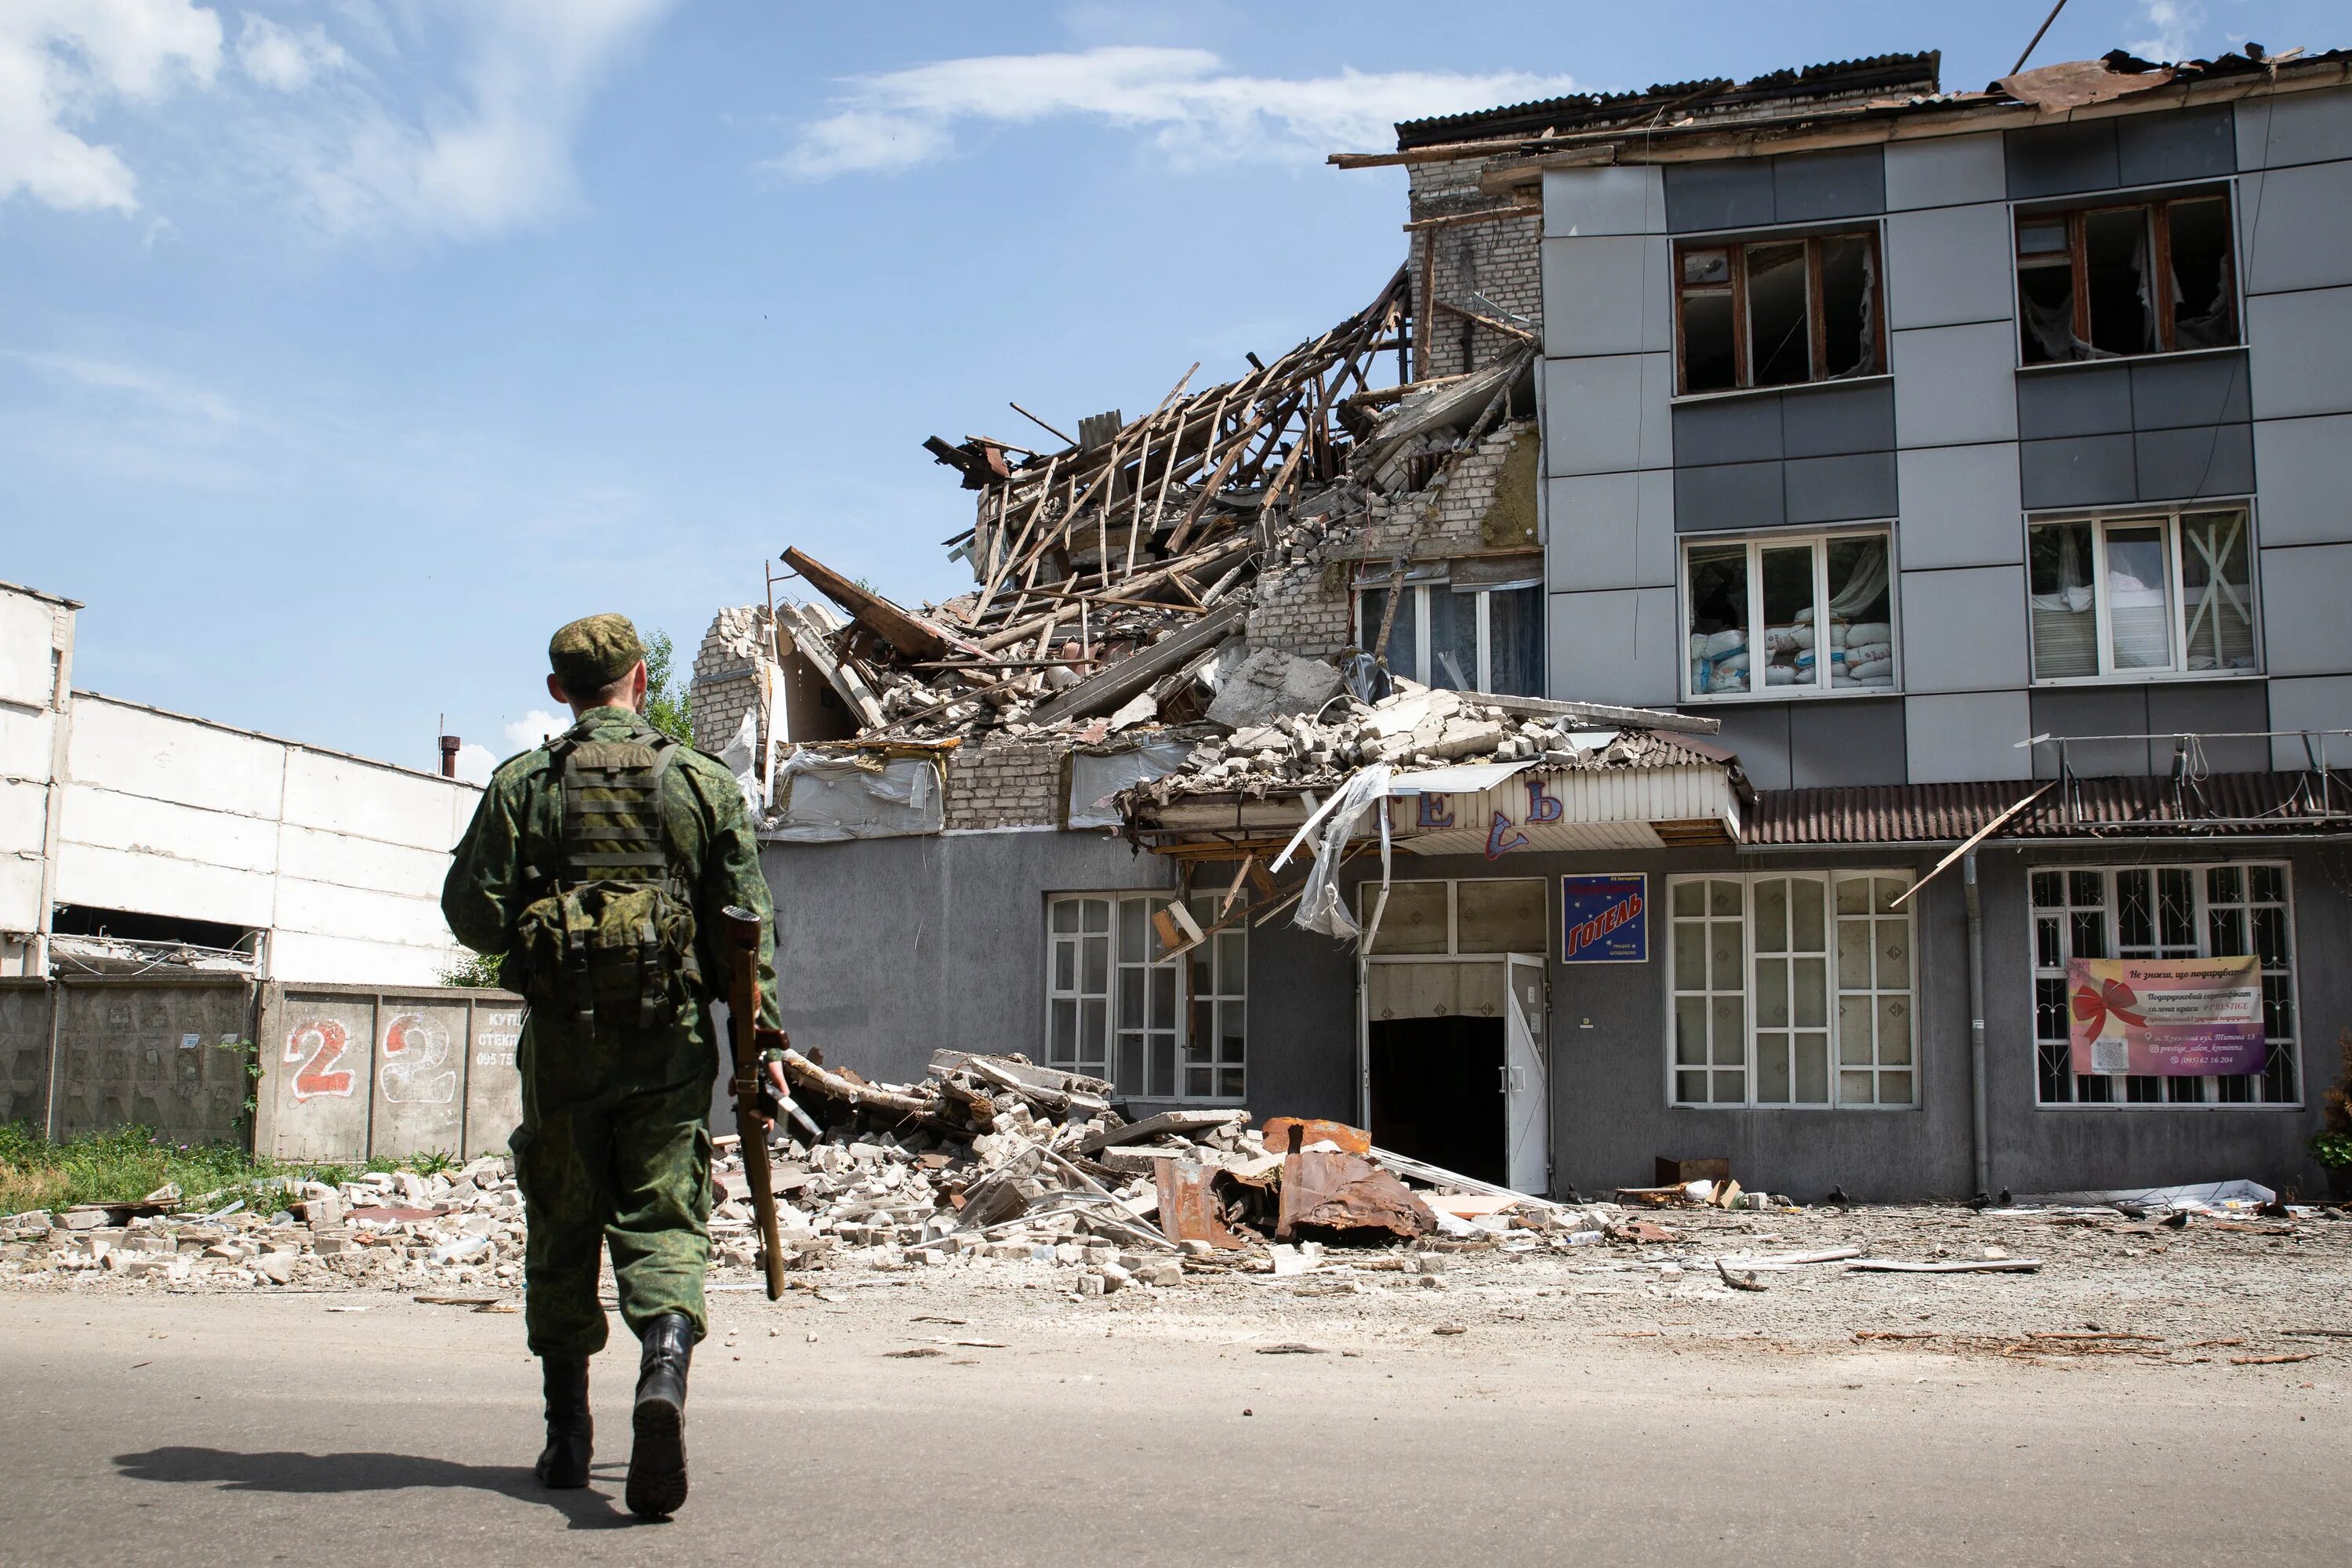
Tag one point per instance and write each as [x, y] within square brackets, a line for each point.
[398, 1229]
[992, 1158]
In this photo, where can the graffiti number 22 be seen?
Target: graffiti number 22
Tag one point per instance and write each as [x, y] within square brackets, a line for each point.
[319, 1044]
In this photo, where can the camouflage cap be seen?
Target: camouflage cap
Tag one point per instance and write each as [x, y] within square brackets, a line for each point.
[594, 652]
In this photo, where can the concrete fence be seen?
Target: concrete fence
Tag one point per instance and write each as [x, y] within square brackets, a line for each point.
[347, 1072]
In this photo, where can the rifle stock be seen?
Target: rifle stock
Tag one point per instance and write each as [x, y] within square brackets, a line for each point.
[751, 1124]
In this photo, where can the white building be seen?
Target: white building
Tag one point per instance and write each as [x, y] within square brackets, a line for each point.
[126, 831]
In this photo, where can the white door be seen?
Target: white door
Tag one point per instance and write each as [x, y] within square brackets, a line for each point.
[1526, 1099]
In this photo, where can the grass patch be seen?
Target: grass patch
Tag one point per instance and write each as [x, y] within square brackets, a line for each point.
[126, 1164]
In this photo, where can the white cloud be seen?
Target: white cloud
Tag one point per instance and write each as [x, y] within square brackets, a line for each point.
[477, 762]
[2175, 22]
[168, 393]
[63, 61]
[285, 58]
[1193, 110]
[534, 726]
[500, 160]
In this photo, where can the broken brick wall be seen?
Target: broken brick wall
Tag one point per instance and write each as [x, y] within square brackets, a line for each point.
[1003, 781]
[731, 669]
[1500, 259]
[1484, 503]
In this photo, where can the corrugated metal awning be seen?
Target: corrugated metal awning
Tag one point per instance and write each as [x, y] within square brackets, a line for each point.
[2101, 807]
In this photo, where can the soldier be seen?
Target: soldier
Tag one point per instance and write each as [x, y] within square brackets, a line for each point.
[597, 865]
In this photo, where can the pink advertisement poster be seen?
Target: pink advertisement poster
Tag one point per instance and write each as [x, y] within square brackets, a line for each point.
[2178, 1018]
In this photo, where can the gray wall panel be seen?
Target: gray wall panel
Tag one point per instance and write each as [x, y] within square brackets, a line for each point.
[1607, 296]
[2312, 702]
[1812, 187]
[1758, 734]
[2053, 159]
[1613, 530]
[2174, 464]
[1735, 194]
[1845, 741]
[2203, 389]
[2295, 127]
[2212, 708]
[2091, 400]
[2080, 470]
[2301, 463]
[1729, 495]
[1624, 199]
[2186, 144]
[1849, 488]
[1954, 385]
[962, 917]
[2306, 591]
[2300, 363]
[1608, 414]
[1942, 170]
[1742, 429]
[1834, 418]
[1963, 630]
[2297, 227]
[2067, 710]
[1952, 739]
[1616, 646]
[1961, 506]
[1949, 265]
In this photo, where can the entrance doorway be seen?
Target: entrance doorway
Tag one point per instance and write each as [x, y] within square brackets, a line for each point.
[1434, 1083]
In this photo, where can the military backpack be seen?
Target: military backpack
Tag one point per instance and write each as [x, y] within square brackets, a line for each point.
[611, 943]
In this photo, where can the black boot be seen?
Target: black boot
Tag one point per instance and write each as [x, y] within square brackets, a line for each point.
[658, 1461]
[564, 1463]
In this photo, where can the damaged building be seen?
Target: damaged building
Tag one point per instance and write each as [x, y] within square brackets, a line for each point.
[1784, 577]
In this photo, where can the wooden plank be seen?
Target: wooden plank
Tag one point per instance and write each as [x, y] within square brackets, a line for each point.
[1122, 680]
[1181, 1121]
[845, 682]
[911, 634]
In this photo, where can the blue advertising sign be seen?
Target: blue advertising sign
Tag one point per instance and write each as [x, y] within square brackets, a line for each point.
[1605, 919]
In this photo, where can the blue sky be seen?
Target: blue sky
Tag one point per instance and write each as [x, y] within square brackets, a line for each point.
[349, 347]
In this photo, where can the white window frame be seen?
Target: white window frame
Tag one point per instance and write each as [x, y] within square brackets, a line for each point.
[1756, 543]
[1368, 628]
[1176, 1036]
[2170, 519]
[1836, 990]
[2051, 1047]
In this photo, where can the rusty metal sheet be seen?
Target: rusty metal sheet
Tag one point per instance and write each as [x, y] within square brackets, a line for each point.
[1287, 1134]
[2074, 83]
[1342, 1193]
[1189, 1210]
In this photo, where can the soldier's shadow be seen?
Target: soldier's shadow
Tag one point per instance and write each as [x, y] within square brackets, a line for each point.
[311, 1474]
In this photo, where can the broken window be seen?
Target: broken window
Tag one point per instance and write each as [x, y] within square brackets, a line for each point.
[1778, 313]
[2162, 911]
[2137, 595]
[1113, 1005]
[1461, 635]
[2112, 282]
[1789, 615]
[1792, 989]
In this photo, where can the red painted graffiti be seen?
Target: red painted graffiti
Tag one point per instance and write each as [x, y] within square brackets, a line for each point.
[319, 1044]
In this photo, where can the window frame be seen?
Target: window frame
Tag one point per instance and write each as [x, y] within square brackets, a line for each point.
[1367, 627]
[1179, 1033]
[1756, 543]
[2172, 518]
[1829, 880]
[2049, 1048]
[2156, 201]
[1737, 244]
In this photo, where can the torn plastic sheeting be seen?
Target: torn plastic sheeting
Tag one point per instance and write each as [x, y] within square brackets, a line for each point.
[1094, 780]
[1320, 906]
[828, 799]
[1471, 778]
[2189, 1195]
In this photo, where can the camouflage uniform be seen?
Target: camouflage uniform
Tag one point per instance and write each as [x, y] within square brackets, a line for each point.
[615, 1145]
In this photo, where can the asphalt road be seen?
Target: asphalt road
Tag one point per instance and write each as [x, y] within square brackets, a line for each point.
[254, 1430]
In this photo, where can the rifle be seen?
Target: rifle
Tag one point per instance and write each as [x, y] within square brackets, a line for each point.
[755, 1105]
